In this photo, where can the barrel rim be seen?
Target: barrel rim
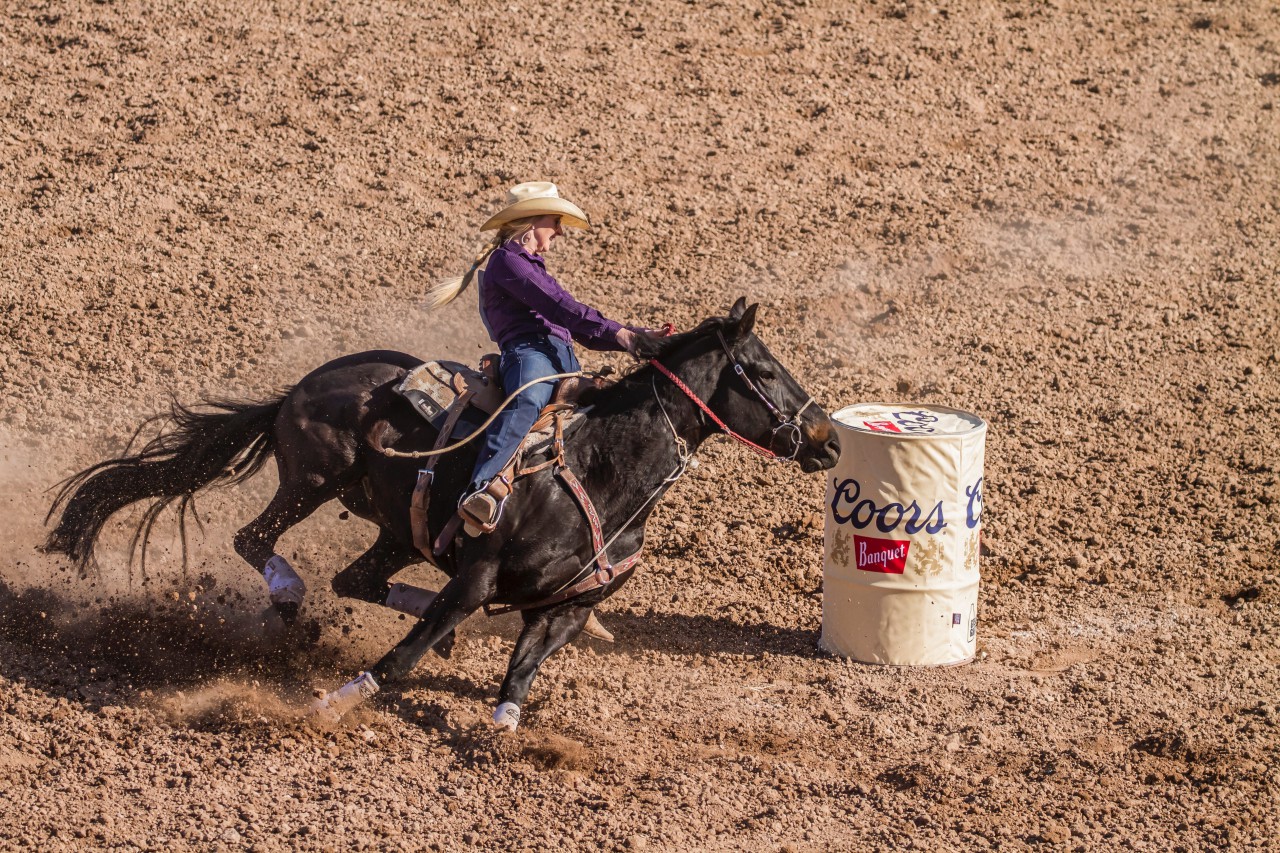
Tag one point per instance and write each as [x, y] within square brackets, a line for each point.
[978, 429]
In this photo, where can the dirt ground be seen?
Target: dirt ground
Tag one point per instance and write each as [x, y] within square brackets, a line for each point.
[1062, 216]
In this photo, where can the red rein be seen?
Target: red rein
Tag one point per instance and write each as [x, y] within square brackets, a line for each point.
[688, 392]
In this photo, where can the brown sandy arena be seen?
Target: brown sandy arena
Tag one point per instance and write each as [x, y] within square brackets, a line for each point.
[1062, 216]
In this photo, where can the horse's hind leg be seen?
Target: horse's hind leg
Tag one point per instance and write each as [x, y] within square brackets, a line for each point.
[366, 579]
[256, 543]
[545, 632]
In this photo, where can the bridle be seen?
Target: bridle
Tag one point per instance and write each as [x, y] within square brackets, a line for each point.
[788, 425]
[584, 581]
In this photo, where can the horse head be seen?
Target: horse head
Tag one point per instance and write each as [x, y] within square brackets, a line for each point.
[743, 387]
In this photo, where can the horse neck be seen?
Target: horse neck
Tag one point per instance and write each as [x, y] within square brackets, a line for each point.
[640, 413]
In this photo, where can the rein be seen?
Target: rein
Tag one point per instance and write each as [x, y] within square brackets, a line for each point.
[791, 424]
[605, 573]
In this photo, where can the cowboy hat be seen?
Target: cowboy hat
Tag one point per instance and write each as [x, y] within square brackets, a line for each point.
[537, 198]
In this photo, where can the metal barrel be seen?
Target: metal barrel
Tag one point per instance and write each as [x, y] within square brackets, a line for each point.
[902, 535]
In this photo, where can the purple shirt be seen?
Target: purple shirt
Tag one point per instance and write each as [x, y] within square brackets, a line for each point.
[518, 297]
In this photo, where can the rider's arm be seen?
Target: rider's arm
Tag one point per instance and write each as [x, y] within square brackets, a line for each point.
[529, 283]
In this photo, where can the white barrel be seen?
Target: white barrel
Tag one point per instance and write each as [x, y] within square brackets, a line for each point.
[904, 516]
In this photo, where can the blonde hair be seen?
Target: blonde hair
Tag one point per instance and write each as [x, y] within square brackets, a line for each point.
[451, 288]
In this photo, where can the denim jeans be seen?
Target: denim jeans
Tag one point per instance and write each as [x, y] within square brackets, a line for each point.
[523, 359]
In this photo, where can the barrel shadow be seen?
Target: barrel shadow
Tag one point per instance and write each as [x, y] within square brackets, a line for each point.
[679, 633]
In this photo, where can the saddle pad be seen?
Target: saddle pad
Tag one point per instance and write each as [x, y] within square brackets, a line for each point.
[433, 386]
[539, 440]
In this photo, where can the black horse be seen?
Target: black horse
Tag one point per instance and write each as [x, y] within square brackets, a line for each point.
[326, 434]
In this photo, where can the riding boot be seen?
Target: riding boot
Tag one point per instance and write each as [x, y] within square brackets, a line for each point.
[481, 509]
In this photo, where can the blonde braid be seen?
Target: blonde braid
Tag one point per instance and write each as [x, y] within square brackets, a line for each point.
[451, 288]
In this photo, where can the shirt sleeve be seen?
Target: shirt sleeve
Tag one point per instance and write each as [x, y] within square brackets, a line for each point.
[534, 286]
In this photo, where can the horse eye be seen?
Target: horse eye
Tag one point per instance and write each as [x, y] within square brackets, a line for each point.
[767, 375]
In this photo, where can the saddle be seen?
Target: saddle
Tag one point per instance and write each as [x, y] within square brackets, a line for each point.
[438, 388]
[432, 388]
[455, 400]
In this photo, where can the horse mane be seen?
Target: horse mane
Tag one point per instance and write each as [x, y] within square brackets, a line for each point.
[649, 348]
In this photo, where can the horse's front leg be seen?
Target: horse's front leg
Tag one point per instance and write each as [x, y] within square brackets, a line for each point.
[367, 579]
[461, 597]
[545, 632]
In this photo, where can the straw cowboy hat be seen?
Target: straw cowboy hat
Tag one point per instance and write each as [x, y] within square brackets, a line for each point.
[537, 198]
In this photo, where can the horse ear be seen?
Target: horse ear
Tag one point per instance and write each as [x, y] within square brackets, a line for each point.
[746, 322]
[735, 312]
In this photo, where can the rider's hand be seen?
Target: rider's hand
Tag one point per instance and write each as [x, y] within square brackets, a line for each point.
[630, 338]
[627, 340]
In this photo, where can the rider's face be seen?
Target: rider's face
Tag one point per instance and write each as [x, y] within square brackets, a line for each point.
[545, 229]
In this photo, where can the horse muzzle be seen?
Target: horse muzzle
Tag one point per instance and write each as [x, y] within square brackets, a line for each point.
[821, 449]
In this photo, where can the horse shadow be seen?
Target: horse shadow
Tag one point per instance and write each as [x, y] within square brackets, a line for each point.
[686, 634]
[110, 653]
[674, 633]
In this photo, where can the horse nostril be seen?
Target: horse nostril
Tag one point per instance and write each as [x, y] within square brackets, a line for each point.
[833, 447]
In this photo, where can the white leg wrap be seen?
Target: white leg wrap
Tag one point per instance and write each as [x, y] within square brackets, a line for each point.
[409, 599]
[332, 707]
[283, 583]
[507, 716]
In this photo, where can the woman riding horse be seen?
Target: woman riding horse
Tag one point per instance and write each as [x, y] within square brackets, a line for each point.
[553, 554]
[534, 321]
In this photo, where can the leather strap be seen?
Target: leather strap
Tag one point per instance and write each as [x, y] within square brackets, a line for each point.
[585, 585]
[593, 517]
[605, 573]
[445, 539]
[418, 514]
[557, 444]
[421, 501]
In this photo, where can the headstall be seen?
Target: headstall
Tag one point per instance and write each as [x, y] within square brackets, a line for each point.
[790, 424]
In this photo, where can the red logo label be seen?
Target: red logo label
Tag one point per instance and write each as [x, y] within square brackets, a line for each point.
[888, 556]
[881, 426]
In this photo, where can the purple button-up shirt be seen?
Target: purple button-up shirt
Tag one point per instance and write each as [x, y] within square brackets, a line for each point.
[518, 297]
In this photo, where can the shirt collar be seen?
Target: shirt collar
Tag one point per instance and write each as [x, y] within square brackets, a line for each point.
[516, 248]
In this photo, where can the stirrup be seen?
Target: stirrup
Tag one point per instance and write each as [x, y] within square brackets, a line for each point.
[479, 512]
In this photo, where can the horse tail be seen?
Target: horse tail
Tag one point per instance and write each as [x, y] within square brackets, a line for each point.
[222, 444]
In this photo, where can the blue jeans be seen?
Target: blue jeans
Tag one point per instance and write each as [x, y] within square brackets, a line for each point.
[523, 359]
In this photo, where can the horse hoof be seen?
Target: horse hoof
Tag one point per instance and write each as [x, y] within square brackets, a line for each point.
[329, 709]
[289, 634]
[274, 631]
[287, 611]
[507, 717]
[320, 716]
[593, 628]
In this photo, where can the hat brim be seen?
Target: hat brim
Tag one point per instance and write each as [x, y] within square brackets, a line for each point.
[570, 214]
